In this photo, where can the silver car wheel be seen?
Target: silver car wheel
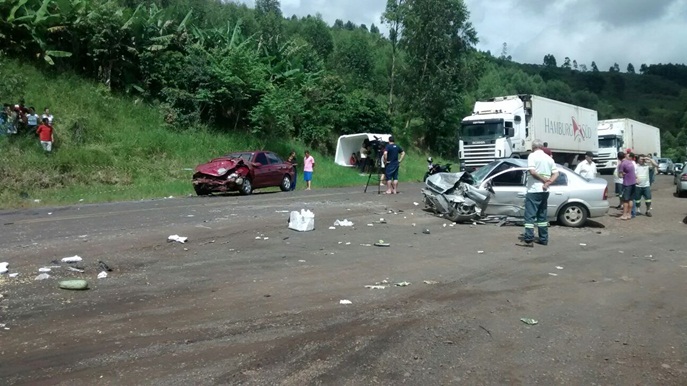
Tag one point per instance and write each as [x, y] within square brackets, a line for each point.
[573, 215]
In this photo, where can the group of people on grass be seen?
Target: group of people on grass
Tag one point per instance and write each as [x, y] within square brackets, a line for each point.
[308, 168]
[18, 119]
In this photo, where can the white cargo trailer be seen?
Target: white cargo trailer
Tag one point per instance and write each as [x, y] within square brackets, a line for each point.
[616, 135]
[504, 127]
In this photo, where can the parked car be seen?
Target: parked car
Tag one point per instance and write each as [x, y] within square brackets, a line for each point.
[677, 170]
[665, 166]
[572, 200]
[681, 183]
[243, 172]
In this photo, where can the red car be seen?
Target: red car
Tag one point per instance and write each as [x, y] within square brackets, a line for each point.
[243, 171]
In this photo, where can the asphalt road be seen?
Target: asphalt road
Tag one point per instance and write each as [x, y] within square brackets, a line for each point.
[229, 308]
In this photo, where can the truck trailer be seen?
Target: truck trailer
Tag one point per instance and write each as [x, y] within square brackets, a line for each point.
[505, 127]
[615, 135]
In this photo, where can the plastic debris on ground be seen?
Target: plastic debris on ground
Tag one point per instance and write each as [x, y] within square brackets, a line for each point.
[177, 238]
[74, 284]
[301, 261]
[72, 259]
[3, 267]
[303, 221]
[375, 286]
[42, 276]
[431, 282]
[559, 267]
[13, 274]
[370, 225]
[381, 243]
[553, 274]
[344, 301]
[102, 275]
[480, 252]
[402, 284]
[382, 220]
[343, 223]
[44, 269]
[529, 321]
[103, 266]
[583, 244]
[332, 228]
[426, 231]
[74, 269]
[416, 203]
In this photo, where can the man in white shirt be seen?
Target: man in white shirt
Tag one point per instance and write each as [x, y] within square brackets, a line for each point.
[643, 171]
[587, 168]
[542, 173]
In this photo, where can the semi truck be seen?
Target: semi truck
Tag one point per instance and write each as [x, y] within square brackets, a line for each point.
[615, 135]
[505, 127]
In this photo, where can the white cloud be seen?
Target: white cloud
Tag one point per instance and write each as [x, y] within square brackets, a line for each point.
[605, 31]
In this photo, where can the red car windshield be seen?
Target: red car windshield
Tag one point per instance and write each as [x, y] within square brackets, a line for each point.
[245, 156]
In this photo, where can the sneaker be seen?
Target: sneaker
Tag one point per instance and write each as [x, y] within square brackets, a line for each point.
[540, 242]
[526, 244]
[648, 214]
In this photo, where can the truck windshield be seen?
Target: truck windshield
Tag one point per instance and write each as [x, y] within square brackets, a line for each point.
[609, 142]
[482, 131]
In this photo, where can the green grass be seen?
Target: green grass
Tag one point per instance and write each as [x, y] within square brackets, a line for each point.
[112, 148]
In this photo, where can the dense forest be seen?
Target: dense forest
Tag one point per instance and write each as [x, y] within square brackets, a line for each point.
[256, 71]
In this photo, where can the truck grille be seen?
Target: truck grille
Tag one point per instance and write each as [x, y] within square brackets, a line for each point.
[478, 155]
[604, 160]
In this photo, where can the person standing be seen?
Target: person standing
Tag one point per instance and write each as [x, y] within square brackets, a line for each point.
[32, 120]
[643, 170]
[587, 168]
[546, 149]
[542, 173]
[292, 161]
[626, 170]
[364, 152]
[393, 156]
[652, 171]
[308, 167]
[46, 114]
[45, 134]
[618, 181]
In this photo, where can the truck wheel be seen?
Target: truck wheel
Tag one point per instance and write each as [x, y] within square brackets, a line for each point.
[246, 187]
[573, 215]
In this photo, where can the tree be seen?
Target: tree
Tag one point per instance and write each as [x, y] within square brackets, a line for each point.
[363, 27]
[392, 16]
[614, 68]
[504, 53]
[583, 67]
[338, 24]
[269, 17]
[316, 32]
[575, 64]
[353, 58]
[643, 69]
[594, 67]
[566, 63]
[438, 40]
[549, 60]
[630, 68]
[349, 26]
[374, 29]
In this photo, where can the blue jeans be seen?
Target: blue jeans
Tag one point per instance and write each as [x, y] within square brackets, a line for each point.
[536, 214]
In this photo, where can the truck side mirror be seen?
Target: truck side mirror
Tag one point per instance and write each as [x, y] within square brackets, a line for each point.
[510, 132]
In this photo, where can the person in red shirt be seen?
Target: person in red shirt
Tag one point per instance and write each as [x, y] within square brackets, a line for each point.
[45, 134]
[546, 149]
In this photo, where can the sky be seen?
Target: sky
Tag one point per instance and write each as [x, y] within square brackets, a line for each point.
[604, 31]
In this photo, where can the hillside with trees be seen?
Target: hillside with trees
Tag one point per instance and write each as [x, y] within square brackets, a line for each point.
[261, 73]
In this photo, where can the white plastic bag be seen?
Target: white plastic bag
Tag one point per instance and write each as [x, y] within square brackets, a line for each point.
[303, 221]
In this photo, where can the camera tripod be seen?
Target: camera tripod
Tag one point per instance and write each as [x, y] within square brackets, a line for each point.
[375, 169]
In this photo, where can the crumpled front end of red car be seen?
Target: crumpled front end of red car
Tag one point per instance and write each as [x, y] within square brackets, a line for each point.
[220, 175]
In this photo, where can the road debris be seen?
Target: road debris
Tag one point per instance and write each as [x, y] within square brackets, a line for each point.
[72, 259]
[303, 221]
[344, 301]
[402, 284]
[77, 284]
[480, 252]
[553, 274]
[370, 225]
[44, 269]
[13, 275]
[583, 244]
[381, 243]
[425, 231]
[103, 266]
[376, 287]
[3, 267]
[382, 220]
[102, 275]
[416, 203]
[42, 276]
[177, 238]
[301, 261]
[431, 282]
[332, 228]
[529, 321]
[343, 223]
[74, 269]
[559, 267]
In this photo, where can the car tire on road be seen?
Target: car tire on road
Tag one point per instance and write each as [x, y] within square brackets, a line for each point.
[573, 215]
[200, 190]
[285, 183]
[678, 192]
[246, 187]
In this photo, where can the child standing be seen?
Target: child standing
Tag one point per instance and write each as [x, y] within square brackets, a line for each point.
[308, 165]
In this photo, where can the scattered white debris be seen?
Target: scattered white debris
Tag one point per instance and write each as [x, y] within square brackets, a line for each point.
[621, 252]
[13, 274]
[344, 301]
[340, 242]
[382, 220]
[36, 200]
[370, 225]
[444, 225]
[281, 211]
[402, 284]
[416, 203]
[348, 243]
[265, 238]
[375, 286]
[177, 238]
[303, 221]
[431, 282]
[75, 269]
[49, 213]
[42, 276]
[583, 244]
[44, 269]
[190, 215]
[343, 223]
[3, 267]
[332, 228]
[258, 237]
[559, 267]
[72, 259]
[480, 252]
[553, 274]
[81, 200]
[102, 275]
[413, 224]
[301, 261]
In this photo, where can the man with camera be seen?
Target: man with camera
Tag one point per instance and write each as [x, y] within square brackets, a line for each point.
[393, 156]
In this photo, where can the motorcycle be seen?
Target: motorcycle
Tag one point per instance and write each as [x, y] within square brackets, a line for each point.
[455, 196]
[435, 168]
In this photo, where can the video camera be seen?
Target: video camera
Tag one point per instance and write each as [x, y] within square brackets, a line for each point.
[378, 146]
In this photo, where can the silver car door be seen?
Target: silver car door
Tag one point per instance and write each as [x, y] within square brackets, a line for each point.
[559, 193]
[509, 188]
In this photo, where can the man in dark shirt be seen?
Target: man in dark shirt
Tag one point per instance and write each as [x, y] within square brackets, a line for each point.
[393, 156]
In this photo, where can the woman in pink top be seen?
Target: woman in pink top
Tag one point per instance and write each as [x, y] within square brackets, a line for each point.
[308, 164]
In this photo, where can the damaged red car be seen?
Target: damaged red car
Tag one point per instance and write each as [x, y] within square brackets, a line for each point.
[243, 172]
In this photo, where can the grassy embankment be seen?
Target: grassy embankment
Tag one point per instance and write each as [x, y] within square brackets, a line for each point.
[111, 148]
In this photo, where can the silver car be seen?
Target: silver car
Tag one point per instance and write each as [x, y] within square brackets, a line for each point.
[677, 171]
[665, 166]
[572, 199]
[681, 185]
